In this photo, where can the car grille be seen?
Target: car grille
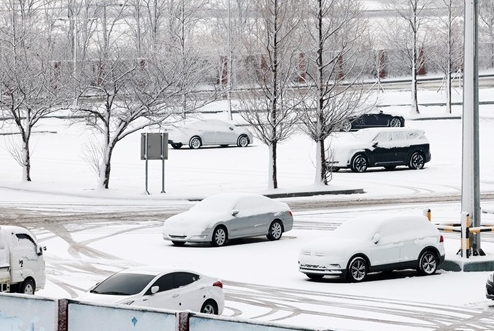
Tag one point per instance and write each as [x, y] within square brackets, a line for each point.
[177, 237]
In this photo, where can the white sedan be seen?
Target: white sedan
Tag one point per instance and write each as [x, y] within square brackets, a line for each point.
[209, 132]
[375, 243]
[225, 216]
[158, 287]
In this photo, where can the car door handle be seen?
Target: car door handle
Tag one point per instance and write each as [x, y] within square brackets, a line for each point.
[175, 296]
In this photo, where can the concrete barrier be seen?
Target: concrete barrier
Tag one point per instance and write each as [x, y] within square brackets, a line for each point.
[19, 312]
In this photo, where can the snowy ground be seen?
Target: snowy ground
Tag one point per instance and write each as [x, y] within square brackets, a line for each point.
[255, 270]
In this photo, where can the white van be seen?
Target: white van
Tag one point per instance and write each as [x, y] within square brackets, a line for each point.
[22, 266]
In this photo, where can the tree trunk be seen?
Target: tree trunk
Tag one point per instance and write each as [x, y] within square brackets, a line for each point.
[105, 168]
[26, 160]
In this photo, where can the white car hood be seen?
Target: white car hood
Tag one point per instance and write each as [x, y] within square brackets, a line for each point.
[104, 298]
[193, 219]
[333, 245]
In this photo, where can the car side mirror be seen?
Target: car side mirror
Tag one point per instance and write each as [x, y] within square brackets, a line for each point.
[40, 249]
[376, 238]
[155, 289]
[234, 212]
[375, 144]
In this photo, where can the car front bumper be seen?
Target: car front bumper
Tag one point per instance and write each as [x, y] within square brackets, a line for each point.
[489, 290]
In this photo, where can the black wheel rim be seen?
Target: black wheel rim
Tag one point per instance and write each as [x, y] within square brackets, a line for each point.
[360, 164]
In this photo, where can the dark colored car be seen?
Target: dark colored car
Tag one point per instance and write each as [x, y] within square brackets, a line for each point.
[379, 147]
[372, 120]
[489, 287]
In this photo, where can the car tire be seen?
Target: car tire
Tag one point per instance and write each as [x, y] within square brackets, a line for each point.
[209, 307]
[28, 287]
[178, 243]
[417, 161]
[357, 269]
[177, 145]
[359, 163]
[428, 263]
[243, 141]
[395, 122]
[315, 276]
[275, 231]
[195, 142]
[346, 126]
[220, 236]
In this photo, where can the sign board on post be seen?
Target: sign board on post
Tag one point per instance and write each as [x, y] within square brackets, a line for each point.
[154, 146]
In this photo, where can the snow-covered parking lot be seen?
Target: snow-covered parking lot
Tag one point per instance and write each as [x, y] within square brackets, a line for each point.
[90, 233]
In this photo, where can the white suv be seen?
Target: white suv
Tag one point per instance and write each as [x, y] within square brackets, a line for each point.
[375, 243]
[379, 147]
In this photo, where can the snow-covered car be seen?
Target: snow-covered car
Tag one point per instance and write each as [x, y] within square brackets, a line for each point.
[159, 287]
[375, 243]
[209, 132]
[489, 287]
[379, 147]
[224, 216]
[372, 119]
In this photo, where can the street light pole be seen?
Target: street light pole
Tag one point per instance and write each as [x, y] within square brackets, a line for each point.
[470, 188]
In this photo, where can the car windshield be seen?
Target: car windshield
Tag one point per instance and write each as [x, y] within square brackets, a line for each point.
[214, 203]
[356, 229]
[123, 284]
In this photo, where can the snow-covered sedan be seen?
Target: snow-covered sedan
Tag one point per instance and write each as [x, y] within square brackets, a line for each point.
[375, 243]
[379, 147]
[371, 120]
[225, 216]
[209, 132]
[159, 287]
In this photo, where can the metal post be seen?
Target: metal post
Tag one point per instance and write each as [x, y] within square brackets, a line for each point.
[146, 158]
[470, 188]
[163, 146]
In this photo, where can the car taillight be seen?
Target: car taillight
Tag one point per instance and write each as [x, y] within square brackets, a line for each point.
[218, 284]
[441, 239]
[290, 212]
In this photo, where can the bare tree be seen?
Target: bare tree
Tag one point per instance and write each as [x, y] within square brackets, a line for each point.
[447, 52]
[134, 87]
[410, 40]
[336, 44]
[233, 24]
[29, 92]
[269, 108]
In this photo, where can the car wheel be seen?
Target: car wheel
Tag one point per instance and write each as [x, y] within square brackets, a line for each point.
[315, 276]
[359, 163]
[357, 269]
[275, 231]
[209, 307]
[195, 142]
[28, 287]
[427, 263]
[220, 236]
[417, 161]
[390, 167]
[243, 141]
[178, 243]
[177, 145]
[395, 122]
[346, 126]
